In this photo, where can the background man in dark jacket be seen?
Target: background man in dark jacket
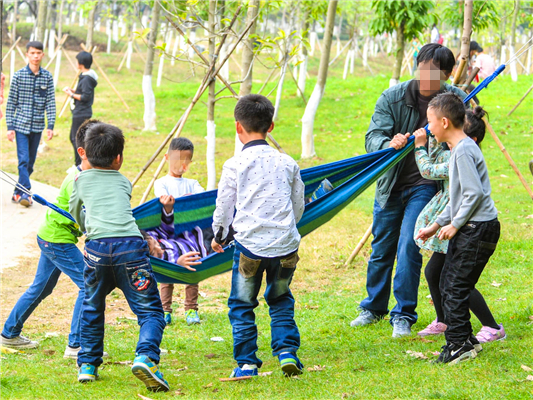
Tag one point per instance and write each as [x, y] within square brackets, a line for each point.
[402, 192]
[82, 97]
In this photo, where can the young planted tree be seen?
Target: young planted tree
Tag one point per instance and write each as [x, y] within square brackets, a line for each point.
[308, 119]
[90, 6]
[211, 132]
[148, 92]
[514, 74]
[407, 18]
[41, 21]
[460, 73]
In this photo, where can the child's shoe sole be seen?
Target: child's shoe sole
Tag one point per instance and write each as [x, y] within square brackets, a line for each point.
[152, 382]
[291, 369]
[84, 378]
[464, 357]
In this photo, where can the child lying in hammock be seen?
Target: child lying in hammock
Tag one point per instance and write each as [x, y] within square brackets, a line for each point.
[184, 249]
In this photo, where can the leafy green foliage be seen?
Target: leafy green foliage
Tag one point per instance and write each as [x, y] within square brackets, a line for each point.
[484, 14]
[410, 16]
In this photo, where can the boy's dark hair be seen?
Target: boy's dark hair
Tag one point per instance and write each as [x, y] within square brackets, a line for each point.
[255, 113]
[474, 125]
[82, 131]
[103, 143]
[475, 46]
[441, 56]
[181, 144]
[85, 58]
[35, 44]
[451, 106]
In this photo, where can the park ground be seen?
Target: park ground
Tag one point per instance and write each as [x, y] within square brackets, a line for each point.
[340, 361]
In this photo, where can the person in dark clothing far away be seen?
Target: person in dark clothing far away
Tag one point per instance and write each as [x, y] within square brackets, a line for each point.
[82, 98]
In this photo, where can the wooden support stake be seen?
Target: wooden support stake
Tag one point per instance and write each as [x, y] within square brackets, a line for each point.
[58, 47]
[470, 78]
[74, 84]
[359, 246]
[11, 49]
[107, 79]
[521, 100]
[505, 153]
[459, 72]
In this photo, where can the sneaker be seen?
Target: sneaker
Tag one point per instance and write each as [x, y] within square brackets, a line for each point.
[18, 342]
[365, 317]
[247, 371]
[148, 372]
[488, 334]
[25, 200]
[87, 373]
[192, 317]
[477, 346]
[15, 198]
[72, 352]
[453, 353]
[290, 364]
[435, 328]
[168, 317]
[400, 327]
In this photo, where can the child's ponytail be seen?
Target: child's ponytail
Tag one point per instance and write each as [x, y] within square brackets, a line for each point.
[474, 125]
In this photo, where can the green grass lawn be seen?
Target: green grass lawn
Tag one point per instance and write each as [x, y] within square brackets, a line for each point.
[346, 362]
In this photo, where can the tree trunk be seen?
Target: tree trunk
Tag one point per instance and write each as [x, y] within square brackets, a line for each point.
[149, 98]
[166, 38]
[41, 21]
[514, 74]
[247, 53]
[308, 119]
[211, 132]
[400, 46]
[460, 74]
[90, 28]
[302, 74]
[14, 39]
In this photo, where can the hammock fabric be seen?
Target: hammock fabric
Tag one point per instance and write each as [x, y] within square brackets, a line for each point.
[349, 178]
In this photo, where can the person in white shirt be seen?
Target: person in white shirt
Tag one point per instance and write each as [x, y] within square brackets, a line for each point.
[179, 157]
[262, 194]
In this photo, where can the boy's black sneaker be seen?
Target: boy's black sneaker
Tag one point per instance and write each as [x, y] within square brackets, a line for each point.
[454, 353]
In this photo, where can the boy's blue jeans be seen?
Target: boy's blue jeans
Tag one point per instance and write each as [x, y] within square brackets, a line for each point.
[27, 146]
[55, 258]
[122, 263]
[247, 275]
[393, 231]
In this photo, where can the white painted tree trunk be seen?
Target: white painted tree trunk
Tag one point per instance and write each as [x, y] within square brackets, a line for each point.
[352, 59]
[210, 156]
[128, 56]
[312, 43]
[115, 31]
[149, 104]
[528, 65]
[122, 27]
[365, 53]
[12, 66]
[224, 71]
[160, 69]
[502, 58]
[58, 67]
[108, 31]
[81, 18]
[175, 49]
[279, 90]
[302, 76]
[192, 38]
[514, 73]
[347, 64]
[45, 40]
[144, 21]
[308, 122]
[52, 42]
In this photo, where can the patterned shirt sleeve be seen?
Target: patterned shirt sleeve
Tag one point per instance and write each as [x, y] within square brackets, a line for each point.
[12, 102]
[430, 169]
[51, 103]
[297, 195]
[226, 199]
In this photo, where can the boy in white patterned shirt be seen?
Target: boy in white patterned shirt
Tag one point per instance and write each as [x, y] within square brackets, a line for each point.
[265, 188]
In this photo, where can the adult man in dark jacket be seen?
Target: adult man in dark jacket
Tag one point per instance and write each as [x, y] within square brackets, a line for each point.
[402, 192]
[82, 98]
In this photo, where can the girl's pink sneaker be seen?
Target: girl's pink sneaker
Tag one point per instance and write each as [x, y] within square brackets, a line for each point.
[435, 328]
[488, 334]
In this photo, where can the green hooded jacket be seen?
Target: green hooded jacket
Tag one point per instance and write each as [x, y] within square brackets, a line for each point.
[396, 112]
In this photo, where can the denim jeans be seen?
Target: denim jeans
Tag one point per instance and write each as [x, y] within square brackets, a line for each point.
[125, 264]
[469, 252]
[55, 258]
[27, 146]
[393, 231]
[247, 274]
